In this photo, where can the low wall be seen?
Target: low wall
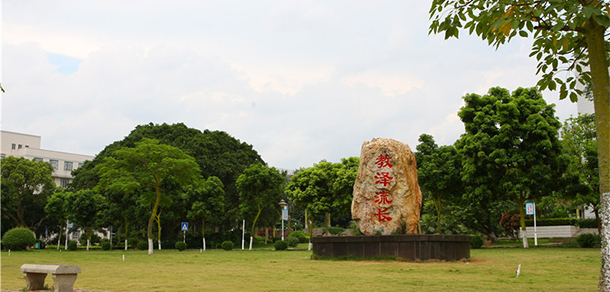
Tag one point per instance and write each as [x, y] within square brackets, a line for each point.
[556, 231]
[410, 247]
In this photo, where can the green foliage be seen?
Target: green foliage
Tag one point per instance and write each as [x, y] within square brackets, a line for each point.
[582, 177]
[292, 241]
[588, 240]
[26, 186]
[72, 245]
[300, 235]
[227, 245]
[106, 245]
[438, 173]
[552, 222]
[561, 31]
[142, 245]
[148, 167]
[18, 238]
[180, 245]
[510, 151]
[335, 230]
[215, 152]
[95, 239]
[280, 245]
[476, 242]
[324, 189]
[260, 190]
[587, 223]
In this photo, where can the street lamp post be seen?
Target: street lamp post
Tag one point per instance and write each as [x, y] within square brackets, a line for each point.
[283, 205]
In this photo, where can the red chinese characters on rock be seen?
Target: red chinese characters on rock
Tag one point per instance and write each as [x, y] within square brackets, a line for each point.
[383, 197]
[383, 179]
[382, 214]
[383, 161]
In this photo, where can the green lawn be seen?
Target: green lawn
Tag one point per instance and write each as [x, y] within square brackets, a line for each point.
[493, 269]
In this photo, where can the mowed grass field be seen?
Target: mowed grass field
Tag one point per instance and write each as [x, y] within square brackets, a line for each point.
[492, 269]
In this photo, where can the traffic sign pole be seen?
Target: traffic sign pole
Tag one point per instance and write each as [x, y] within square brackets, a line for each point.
[535, 232]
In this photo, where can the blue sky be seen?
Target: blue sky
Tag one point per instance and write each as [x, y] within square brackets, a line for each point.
[301, 81]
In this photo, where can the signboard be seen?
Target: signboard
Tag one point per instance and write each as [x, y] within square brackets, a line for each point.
[185, 226]
[285, 213]
[529, 208]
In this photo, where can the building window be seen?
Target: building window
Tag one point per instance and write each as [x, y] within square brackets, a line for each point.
[2, 156]
[53, 163]
[37, 159]
[68, 166]
[13, 146]
[80, 164]
[64, 182]
[19, 146]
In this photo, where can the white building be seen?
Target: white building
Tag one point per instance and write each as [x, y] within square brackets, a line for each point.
[28, 146]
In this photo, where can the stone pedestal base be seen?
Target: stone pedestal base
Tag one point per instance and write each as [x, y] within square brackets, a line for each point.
[410, 247]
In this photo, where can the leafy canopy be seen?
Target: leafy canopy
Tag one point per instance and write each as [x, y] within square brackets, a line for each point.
[559, 29]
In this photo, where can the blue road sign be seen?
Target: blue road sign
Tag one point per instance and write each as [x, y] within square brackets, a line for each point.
[529, 208]
[185, 226]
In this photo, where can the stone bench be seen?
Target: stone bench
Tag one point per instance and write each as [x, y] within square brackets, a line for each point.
[64, 276]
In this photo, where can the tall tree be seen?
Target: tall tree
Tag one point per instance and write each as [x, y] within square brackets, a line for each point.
[260, 190]
[148, 165]
[438, 173]
[569, 36]
[217, 153]
[26, 186]
[511, 149]
[207, 203]
[56, 210]
[579, 140]
[83, 207]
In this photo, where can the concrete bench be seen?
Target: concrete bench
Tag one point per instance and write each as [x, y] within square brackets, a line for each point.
[63, 276]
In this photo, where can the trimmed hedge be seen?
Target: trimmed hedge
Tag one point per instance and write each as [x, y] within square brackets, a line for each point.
[180, 245]
[19, 238]
[583, 223]
[280, 245]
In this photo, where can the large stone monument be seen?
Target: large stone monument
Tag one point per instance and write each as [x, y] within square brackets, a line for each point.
[387, 198]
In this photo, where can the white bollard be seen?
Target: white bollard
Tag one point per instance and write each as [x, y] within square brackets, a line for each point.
[9, 252]
[123, 257]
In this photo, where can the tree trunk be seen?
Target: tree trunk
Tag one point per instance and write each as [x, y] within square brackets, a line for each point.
[151, 220]
[327, 223]
[600, 80]
[522, 221]
[203, 232]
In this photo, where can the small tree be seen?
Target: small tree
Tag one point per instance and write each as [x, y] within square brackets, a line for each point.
[148, 166]
[260, 189]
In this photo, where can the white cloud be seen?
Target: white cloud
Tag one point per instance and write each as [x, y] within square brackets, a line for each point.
[301, 81]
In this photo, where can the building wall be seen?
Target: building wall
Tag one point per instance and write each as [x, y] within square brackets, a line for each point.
[62, 162]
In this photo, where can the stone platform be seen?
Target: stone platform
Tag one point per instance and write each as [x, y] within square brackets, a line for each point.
[411, 247]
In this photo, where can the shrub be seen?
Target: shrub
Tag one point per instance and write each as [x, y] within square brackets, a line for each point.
[588, 240]
[552, 222]
[511, 223]
[94, 239]
[335, 230]
[292, 241]
[72, 245]
[587, 223]
[19, 238]
[133, 242]
[142, 245]
[106, 245]
[227, 245]
[300, 235]
[476, 242]
[180, 245]
[280, 245]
